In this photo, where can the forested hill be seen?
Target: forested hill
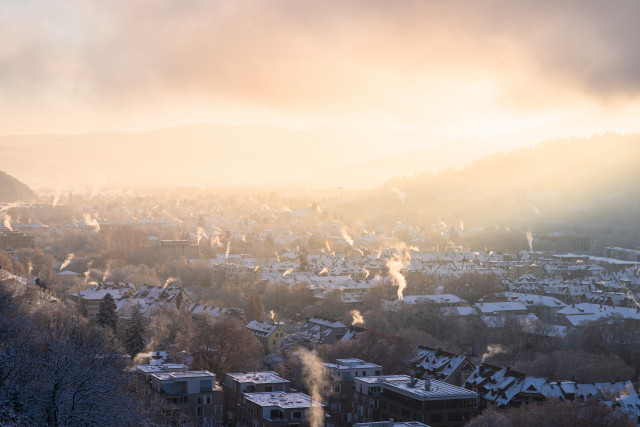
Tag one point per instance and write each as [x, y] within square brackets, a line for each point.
[12, 190]
[596, 178]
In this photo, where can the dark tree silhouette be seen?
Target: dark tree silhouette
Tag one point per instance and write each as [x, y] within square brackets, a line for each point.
[107, 316]
[136, 332]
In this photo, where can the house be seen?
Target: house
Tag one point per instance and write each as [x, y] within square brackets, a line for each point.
[268, 334]
[338, 386]
[91, 298]
[441, 365]
[236, 385]
[323, 329]
[277, 409]
[194, 391]
[405, 398]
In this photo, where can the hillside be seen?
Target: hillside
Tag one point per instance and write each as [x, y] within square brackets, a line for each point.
[12, 190]
[595, 179]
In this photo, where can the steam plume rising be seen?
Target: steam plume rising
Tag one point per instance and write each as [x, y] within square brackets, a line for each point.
[324, 270]
[201, 234]
[169, 280]
[395, 266]
[345, 236]
[366, 271]
[226, 254]
[92, 222]
[328, 246]
[56, 198]
[67, 261]
[272, 315]
[313, 377]
[6, 221]
[492, 350]
[289, 271]
[277, 256]
[357, 317]
[530, 240]
[399, 193]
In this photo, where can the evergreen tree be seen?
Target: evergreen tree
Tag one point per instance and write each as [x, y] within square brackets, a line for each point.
[135, 334]
[107, 316]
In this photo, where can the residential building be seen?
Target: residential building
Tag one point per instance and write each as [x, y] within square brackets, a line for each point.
[441, 365]
[236, 385]
[323, 329]
[277, 409]
[405, 398]
[268, 334]
[195, 391]
[338, 389]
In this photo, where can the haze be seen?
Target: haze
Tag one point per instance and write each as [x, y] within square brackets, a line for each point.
[302, 93]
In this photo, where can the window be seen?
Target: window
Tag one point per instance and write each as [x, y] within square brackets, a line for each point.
[435, 418]
[377, 372]
[268, 388]
[199, 400]
[199, 411]
[278, 388]
[336, 388]
[296, 415]
[336, 408]
[218, 411]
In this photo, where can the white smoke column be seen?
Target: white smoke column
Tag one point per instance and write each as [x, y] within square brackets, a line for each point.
[366, 271]
[67, 261]
[226, 255]
[106, 271]
[535, 209]
[169, 280]
[201, 234]
[256, 268]
[244, 238]
[6, 221]
[399, 194]
[328, 246]
[357, 317]
[360, 252]
[56, 198]
[217, 241]
[530, 240]
[395, 266]
[272, 315]
[461, 225]
[313, 372]
[379, 253]
[289, 271]
[92, 222]
[345, 236]
[492, 350]
[277, 256]
[323, 271]
[29, 268]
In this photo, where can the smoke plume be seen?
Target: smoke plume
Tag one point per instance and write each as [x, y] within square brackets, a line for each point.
[530, 240]
[357, 317]
[492, 350]
[345, 236]
[67, 261]
[289, 271]
[92, 222]
[313, 370]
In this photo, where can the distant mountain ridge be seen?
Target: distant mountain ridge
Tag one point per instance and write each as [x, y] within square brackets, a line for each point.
[12, 190]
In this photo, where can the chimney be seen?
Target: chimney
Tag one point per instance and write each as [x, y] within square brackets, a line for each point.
[427, 385]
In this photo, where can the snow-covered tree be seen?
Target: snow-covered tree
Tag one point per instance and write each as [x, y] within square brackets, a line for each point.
[107, 316]
[135, 335]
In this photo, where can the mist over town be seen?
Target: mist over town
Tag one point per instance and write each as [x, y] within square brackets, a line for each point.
[282, 214]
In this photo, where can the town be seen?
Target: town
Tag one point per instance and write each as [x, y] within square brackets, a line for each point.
[272, 315]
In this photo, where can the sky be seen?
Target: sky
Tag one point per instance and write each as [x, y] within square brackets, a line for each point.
[461, 68]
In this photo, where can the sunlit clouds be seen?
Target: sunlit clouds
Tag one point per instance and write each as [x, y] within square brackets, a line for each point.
[462, 68]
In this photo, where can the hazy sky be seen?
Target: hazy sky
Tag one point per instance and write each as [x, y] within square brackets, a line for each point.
[460, 68]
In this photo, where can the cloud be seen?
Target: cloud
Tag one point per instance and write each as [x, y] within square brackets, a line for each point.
[421, 62]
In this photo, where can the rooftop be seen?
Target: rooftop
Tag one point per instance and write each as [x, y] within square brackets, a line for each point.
[282, 400]
[264, 377]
